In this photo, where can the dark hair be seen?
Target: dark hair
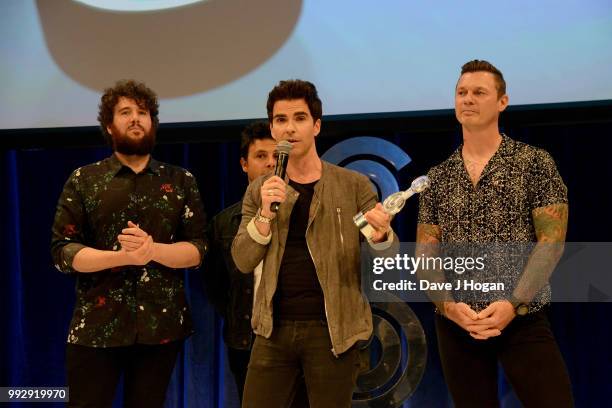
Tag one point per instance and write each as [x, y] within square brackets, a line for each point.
[255, 131]
[486, 66]
[138, 91]
[296, 89]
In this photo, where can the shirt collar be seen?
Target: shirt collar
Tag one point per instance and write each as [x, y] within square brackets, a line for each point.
[507, 148]
[152, 166]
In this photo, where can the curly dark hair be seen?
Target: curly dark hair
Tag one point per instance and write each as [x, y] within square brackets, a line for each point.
[296, 89]
[127, 88]
[486, 66]
[255, 131]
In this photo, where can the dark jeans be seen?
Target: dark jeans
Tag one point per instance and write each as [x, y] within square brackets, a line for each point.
[528, 353]
[239, 361]
[93, 373]
[293, 348]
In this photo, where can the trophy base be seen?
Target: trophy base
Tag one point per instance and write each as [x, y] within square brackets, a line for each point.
[365, 228]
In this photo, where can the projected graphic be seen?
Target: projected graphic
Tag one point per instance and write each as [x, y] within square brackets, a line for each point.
[177, 51]
[136, 5]
[213, 60]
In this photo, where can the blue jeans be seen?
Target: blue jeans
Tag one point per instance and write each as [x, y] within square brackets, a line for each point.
[296, 347]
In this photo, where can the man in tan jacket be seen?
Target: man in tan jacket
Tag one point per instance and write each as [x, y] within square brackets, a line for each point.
[309, 310]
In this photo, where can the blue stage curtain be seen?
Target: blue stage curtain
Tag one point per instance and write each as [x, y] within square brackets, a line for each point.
[36, 301]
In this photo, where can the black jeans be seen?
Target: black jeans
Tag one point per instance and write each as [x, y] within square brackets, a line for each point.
[93, 373]
[528, 353]
[238, 361]
[299, 347]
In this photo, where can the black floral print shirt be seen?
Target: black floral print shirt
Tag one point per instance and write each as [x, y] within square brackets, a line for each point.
[518, 179]
[132, 304]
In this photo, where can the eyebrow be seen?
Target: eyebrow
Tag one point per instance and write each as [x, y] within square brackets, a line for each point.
[130, 108]
[284, 115]
[477, 88]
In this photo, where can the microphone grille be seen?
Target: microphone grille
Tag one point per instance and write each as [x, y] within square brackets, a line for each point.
[283, 147]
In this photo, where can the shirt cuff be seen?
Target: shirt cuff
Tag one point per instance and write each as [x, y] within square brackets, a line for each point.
[202, 248]
[256, 235]
[67, 257]
[380, 246]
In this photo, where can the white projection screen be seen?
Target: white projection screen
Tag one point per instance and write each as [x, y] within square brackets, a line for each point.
[215, 60]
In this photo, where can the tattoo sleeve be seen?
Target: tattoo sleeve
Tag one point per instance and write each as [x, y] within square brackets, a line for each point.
[550, 224]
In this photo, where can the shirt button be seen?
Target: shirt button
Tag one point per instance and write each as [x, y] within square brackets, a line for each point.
[247, 317]
[244, 342]
[248, 291]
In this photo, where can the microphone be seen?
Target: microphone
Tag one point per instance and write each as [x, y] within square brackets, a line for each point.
[282, 150]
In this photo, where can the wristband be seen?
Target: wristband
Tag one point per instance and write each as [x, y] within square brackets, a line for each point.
[261, 218]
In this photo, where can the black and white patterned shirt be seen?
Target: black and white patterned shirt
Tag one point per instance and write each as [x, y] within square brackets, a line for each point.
[517, 179]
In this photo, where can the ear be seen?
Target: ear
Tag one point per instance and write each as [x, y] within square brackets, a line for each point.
[317, 127]
[109, 130]
[244, 165]
[502, 104]
[272, 132]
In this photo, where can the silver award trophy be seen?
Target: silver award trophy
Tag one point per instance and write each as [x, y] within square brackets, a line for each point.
[392, 204]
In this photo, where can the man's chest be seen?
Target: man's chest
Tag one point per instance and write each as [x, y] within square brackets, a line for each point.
[154, 203]
[498, 205]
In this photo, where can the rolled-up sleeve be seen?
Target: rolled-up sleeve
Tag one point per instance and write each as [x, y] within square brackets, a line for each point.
[67, 232]
[193, 219]
[249, 246]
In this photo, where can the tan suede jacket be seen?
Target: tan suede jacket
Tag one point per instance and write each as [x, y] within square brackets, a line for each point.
[333, 242]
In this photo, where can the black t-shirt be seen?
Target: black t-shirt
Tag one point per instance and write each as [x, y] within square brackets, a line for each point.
[298, 294]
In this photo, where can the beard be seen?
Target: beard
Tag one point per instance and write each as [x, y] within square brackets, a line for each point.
[124, 144]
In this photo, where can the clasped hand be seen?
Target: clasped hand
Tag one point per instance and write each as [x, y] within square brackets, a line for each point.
[488, 323]
[136, 245]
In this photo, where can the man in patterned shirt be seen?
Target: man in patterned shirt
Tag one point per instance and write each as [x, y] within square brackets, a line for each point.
[126, 227]
[495, 190]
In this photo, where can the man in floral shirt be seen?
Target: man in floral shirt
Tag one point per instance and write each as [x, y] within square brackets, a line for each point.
[126, 227]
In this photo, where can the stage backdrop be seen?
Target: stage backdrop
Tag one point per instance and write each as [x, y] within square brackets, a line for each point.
[36, 301]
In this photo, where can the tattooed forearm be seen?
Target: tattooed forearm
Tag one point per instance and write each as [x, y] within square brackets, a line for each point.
[550, 223]
[428, 234]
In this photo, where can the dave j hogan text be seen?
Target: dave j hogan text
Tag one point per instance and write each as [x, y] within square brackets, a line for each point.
[422, 284]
